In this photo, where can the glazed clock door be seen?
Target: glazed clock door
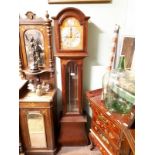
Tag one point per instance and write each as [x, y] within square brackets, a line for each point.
[72, 87]
[71, 34]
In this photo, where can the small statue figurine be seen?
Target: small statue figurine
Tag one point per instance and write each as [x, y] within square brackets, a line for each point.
[45, 87]
[35, 50]
[39, 91]
[31, 86]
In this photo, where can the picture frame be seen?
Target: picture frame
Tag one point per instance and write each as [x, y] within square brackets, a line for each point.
[77, 1]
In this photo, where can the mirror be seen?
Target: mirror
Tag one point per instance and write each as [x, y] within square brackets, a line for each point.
[34, 45]
[36, 129]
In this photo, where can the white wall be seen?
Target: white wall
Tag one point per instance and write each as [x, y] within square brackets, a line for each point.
[103, 17]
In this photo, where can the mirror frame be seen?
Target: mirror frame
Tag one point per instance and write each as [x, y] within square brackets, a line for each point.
[42, 25]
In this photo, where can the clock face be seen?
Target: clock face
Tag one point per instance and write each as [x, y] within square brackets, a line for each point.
[71, 34]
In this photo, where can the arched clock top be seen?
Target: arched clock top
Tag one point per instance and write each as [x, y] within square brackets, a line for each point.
[71, 29]
[71, 12]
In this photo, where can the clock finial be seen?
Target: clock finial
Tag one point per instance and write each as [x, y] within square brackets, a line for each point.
[30, 15]
[47, 15]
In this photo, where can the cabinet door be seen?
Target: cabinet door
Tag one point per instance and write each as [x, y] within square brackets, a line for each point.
[34, 128]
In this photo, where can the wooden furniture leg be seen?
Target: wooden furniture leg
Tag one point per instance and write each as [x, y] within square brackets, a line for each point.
[92, 145]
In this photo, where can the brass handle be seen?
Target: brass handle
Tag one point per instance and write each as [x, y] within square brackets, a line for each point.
[111, 135]
[95, 128]
[102, 119]
[105, 139]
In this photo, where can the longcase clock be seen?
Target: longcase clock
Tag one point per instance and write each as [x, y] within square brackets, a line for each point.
[70, 28]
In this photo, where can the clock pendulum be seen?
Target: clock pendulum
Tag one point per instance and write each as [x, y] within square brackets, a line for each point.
[70, 28]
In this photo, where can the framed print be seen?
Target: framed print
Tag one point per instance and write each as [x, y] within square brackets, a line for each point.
[77, 1]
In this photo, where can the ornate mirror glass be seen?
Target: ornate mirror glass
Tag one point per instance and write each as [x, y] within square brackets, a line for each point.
[34, 45]
[36, 129]
[72, 84]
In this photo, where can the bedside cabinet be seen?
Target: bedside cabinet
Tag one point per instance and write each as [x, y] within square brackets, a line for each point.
[37, 123]
[107, 129]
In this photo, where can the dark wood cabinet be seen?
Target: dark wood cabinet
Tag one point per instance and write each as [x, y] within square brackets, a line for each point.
[37, 123]
[108, 129]
[37, 102]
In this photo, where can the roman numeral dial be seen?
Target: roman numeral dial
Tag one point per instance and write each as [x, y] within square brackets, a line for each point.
[71, 34]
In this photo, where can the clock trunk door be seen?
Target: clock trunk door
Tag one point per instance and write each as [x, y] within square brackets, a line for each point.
[72, 87]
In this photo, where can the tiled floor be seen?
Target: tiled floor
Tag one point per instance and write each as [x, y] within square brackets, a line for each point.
[82, 150]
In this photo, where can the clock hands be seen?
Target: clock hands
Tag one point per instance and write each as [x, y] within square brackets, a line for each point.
[70, 32]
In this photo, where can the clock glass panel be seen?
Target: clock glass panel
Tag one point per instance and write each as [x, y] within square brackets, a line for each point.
[72, 87]
[71, 34]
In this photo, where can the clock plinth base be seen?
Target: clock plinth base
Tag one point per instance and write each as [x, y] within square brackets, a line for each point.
[73, 131]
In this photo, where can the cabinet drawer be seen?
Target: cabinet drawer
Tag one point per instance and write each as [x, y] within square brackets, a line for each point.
[100, 147]
[104, 121]
[114, 138]
[102, 136]
[99, 144]
[34, 105]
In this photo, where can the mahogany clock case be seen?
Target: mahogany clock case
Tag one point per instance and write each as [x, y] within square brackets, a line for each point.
[71, 60]
[70, 28]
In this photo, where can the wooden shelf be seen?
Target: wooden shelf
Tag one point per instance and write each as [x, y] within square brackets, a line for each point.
[27, 72]
[32, 97]
[73, 119]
